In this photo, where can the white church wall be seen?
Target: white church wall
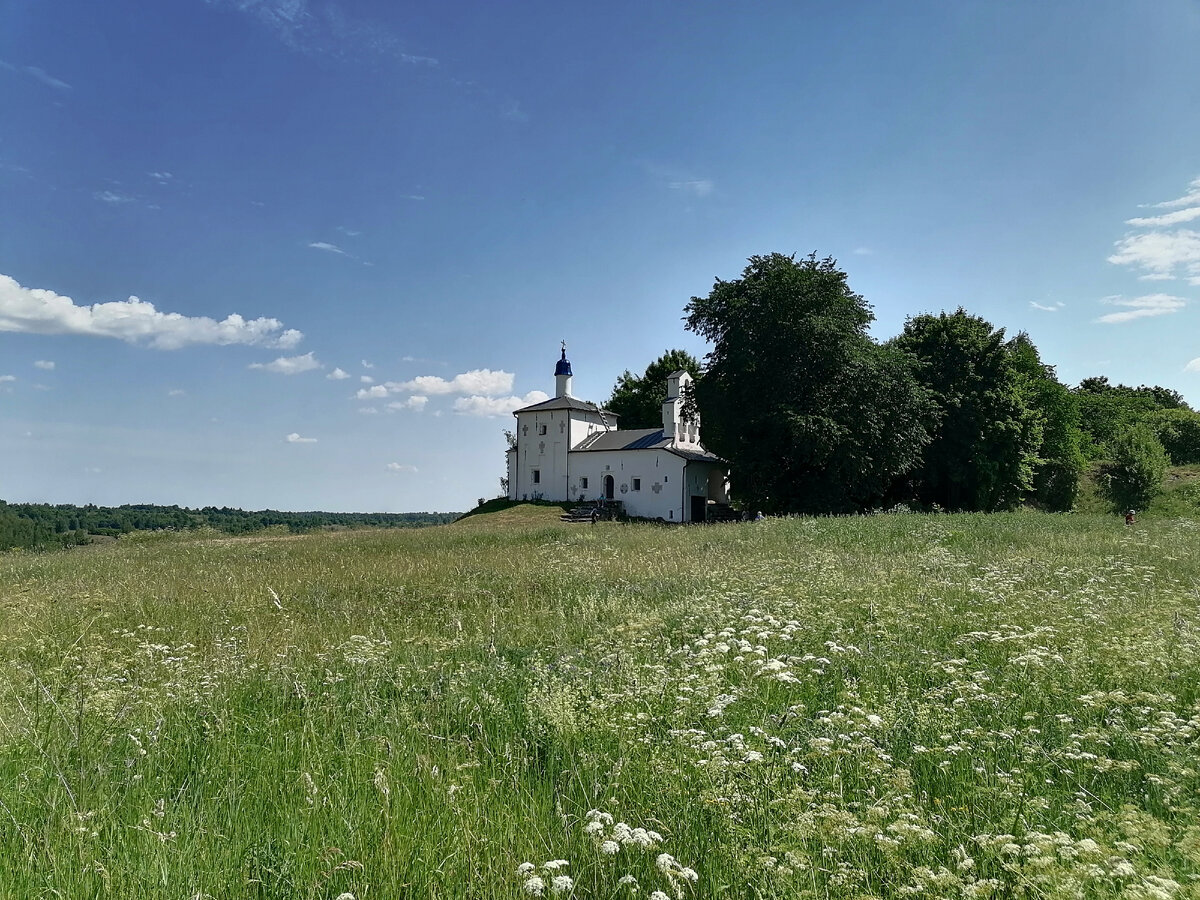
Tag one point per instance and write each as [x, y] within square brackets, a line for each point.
[648, 482]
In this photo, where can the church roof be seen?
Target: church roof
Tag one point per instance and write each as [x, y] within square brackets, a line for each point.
[642, 439]
[564, 403]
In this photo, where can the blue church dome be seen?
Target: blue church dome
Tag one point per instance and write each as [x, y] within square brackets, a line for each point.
[564, 365]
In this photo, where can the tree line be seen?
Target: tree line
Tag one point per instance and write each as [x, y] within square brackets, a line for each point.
[41, 525]
[815, 416]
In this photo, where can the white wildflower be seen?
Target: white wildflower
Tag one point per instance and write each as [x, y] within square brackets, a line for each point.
[525, 868]
[561, 884]
[534, 886]
[659, 895]
[610, 848]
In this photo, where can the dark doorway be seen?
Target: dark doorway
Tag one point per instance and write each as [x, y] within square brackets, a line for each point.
[609, 492]
[699, 508]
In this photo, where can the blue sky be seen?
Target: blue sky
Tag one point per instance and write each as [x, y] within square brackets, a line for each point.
[309, 255]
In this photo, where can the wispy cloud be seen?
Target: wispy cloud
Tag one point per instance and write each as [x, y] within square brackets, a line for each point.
[1160, 254]
[496, 406]
[366, 379]
[290, 365]
[294, 438]
[1055, 308]
[346, 231]
[1193, 366]
[8, 378]
[1174, 218]
[697, 187]
[1141, 307]
[863, 251]
[1192, 197]
[324, 29]
[327, 247]
[46, 364]
[176, 392]
[161, 177]
[45, 78]
[40, 74]
[337, 375]
[38, 311]
[113, 198]
[401, 467]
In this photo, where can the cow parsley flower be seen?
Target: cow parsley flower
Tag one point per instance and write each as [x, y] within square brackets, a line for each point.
[610, 848]
[535, 886]
[561, 884]
[525, 868]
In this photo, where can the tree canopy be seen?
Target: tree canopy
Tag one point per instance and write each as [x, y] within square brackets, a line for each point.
[638, 400]
[985, 437]
[812, 414]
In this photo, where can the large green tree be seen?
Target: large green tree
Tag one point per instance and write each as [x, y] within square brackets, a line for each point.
[812, 415]
[1060, 458]
[986, 439]
[638, 399]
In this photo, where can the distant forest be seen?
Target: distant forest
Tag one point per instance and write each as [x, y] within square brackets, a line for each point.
[44, 526]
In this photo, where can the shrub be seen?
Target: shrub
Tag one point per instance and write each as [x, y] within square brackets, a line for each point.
[1135, 474]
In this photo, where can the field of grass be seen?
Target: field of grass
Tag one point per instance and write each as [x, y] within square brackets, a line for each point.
[898, 706]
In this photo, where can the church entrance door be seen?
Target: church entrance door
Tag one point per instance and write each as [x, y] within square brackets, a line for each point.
[609, 488]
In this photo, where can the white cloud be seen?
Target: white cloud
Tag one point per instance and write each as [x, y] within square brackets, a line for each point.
[38, 311]
[368, 410]
[477, 381]
[1193, 366]
[346, 231]
[366, 379]
[863, 251]
[290, 365]
[337, 375]
[1175, 218]
[1055, 308]
[372, 393]
[161, 177]
[1142, 307]
[295, 438]
[47, 364]
[176, 392]
[400, 467]
[496, 406]
[416, 403]
[367, 365]
[4, 378]
[1161, 253]
[327, 247]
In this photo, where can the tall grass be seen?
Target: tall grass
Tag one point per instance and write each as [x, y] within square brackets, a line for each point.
[975, 706]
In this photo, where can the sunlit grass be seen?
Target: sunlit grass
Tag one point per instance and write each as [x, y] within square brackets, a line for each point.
[975, 706]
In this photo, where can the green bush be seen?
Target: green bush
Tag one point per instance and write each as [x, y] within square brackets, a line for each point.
[1134, 476]
[1179, 432]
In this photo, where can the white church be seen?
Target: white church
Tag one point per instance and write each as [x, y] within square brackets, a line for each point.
[569, 449]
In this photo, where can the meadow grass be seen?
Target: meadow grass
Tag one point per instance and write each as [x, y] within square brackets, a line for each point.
[902, 705]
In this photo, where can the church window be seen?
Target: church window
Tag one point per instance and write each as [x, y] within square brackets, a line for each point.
[541, 429]
[583, 482]
[537, 476]
[637, 484]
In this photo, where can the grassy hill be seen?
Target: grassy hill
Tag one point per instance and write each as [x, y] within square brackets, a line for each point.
[897, 706]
